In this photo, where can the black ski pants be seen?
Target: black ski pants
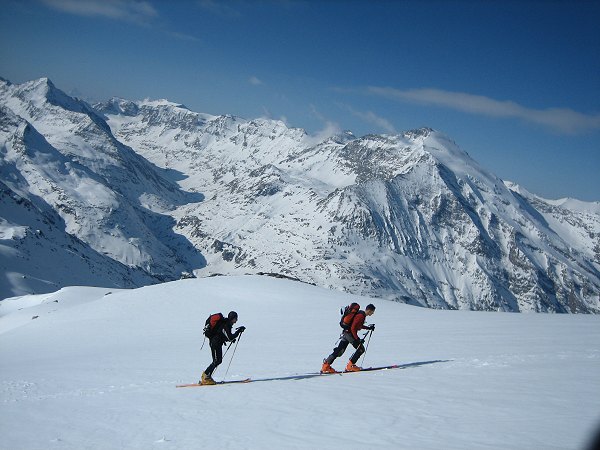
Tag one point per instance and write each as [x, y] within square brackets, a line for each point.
[216, 348]
[346, 339]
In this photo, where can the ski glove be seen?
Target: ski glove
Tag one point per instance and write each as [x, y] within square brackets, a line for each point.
[241, 329]
[371, 327]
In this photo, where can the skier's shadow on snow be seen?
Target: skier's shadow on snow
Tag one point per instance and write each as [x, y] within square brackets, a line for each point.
[316, 374]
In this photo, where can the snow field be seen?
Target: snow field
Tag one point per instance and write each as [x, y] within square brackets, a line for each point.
[97, 371]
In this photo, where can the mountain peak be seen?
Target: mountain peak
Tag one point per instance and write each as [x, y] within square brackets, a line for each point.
[118, 106]
[418, 133]
[42, 86]
[43, 90]
[162, 103]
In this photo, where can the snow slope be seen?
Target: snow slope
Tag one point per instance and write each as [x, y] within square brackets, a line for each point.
[97, 370]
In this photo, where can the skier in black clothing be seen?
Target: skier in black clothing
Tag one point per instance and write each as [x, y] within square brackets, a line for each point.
[219, 333]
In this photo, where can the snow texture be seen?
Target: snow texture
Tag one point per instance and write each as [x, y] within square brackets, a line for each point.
[90, 368]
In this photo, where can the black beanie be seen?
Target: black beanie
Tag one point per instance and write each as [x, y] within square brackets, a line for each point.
[232, 315]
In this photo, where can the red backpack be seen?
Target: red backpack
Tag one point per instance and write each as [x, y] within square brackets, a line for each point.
[211, 324]
[348, 314]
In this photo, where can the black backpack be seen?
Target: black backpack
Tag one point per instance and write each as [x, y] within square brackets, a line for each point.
[211, 324]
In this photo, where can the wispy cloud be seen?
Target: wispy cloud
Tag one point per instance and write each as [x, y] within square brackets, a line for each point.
[219, 8]
[267, 115]
[330, 128]
[255, 81]
[559, 119]
[131, 11]
[183, 36]
[372, 118]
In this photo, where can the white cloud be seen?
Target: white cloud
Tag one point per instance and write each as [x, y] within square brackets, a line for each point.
[372, 118]
[560, 119]
[183, 36]
[255, 81]
[133, 11]
[267, 115]
[219, 8]
[329, 128]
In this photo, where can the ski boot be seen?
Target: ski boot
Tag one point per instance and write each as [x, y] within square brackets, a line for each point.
[206, 380]
[351, 367]
[327, 368]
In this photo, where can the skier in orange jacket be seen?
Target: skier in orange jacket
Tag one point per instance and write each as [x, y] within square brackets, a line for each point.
[350, 336]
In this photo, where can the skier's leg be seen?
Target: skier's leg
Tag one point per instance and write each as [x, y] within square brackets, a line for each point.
[217, 355]
[360, 349]
[338, 351]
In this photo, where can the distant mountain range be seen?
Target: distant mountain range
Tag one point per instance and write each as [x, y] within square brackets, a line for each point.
[127, 193]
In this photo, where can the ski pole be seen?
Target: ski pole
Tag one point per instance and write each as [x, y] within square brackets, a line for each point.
[203, 341]
[232, 355]
[225, 354]
[370, 333]
[338, 340]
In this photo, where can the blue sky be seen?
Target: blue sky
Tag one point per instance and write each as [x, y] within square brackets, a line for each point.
[515, 83]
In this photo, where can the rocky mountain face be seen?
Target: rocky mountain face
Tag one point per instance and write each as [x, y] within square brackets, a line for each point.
[78, 206]
[158, 190]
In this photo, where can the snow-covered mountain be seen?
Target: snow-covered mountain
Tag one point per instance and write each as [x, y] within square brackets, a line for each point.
[78, 206]
[407, 217]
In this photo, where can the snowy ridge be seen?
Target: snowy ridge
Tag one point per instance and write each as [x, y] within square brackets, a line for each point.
[407, 217]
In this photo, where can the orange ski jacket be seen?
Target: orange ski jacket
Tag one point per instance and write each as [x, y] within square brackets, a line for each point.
[358, 323]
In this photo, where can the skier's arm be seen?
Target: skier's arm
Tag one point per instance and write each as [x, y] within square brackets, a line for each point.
[357, 325]
[228, 334]
[239, 331]
[231, 336]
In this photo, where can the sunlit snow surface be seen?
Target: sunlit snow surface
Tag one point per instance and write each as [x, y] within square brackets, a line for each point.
[97, 369]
